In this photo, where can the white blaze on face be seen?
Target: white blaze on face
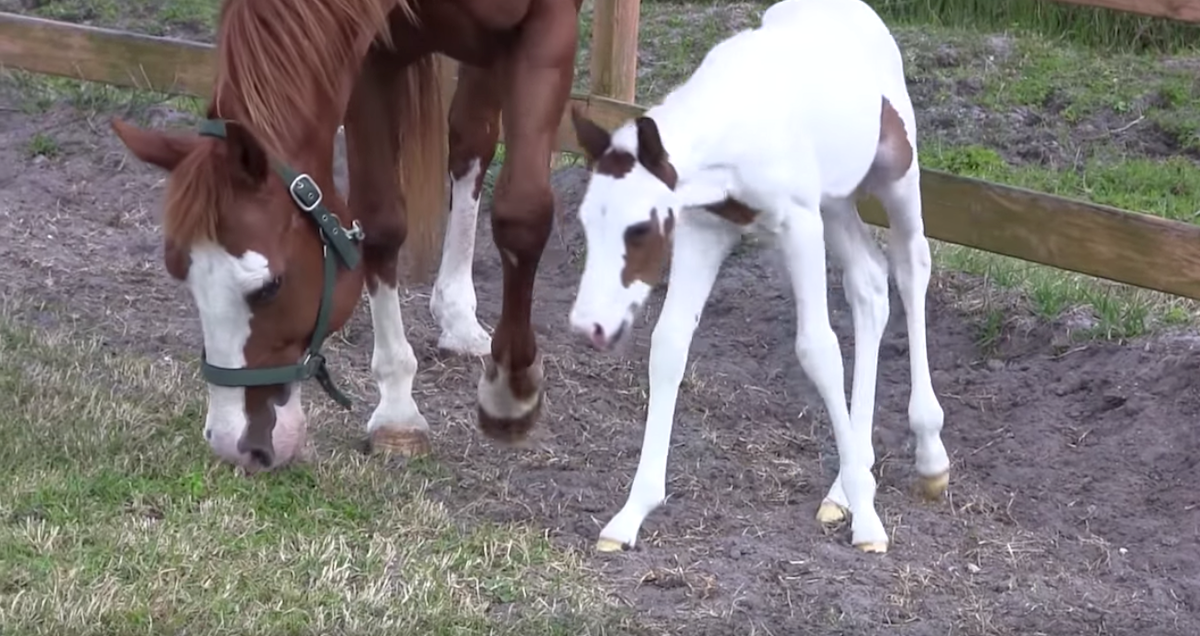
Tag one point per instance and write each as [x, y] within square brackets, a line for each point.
[604, 306]
[219, 283]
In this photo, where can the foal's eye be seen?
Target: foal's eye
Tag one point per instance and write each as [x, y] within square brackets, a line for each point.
[266, 292]
[638, 231]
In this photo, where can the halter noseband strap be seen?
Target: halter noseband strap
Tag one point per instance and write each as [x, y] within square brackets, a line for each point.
[339, 244]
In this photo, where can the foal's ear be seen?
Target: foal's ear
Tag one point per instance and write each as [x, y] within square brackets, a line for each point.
[594, 140]
[650, 146]
[249, 160]
[154, 147]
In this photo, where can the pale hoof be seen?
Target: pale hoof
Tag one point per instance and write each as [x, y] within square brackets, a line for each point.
[873, 547]
[830, 512]
[478, 343]
[934, 487]
[609, 545]
[402, 442]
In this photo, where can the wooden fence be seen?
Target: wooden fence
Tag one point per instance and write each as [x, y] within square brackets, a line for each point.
[1118, 245]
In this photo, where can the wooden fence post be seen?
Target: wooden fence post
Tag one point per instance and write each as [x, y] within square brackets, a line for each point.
[614, 49]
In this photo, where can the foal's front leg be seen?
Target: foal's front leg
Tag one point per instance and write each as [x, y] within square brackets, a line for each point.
[699, 249]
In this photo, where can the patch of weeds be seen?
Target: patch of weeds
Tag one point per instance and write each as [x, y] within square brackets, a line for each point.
[42, 145]
[40, 93]
[1069, 80]
[79, 11]
[991, 329]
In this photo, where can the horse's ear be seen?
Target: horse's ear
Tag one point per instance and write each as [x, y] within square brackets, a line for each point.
[650, 146]
[154, 147]
[594, 140]
[247, 154]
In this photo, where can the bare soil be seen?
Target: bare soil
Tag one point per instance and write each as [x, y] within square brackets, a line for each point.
[1073, 505]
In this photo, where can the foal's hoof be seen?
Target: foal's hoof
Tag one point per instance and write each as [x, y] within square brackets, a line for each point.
[934, 487]
[830, 513]
[610, 545]
[402, 442]
[872, 547]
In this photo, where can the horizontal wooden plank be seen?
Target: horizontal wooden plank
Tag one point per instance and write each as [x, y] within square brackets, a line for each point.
[1182, 10]
[1138, 249]
[103, 55]
[177, 66]
[1106, 242]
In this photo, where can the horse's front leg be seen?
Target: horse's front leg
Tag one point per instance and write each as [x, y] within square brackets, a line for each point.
[474, 129]
[541, 69]
[372, 144]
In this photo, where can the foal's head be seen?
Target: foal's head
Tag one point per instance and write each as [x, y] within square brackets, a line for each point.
[628, 214]
[235, 236]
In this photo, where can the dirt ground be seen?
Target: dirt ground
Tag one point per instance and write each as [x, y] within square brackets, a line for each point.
[1072, 507]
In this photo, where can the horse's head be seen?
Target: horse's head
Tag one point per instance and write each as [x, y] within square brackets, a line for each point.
[628, 214]
[238, 230]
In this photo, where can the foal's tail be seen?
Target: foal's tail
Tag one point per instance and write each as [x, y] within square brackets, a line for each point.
[423, 155]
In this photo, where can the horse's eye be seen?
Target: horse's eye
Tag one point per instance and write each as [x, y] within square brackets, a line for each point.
[638, 231]
[266, 292]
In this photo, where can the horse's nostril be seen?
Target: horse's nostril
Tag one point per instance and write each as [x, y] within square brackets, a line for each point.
[598, 332]
[261, 456]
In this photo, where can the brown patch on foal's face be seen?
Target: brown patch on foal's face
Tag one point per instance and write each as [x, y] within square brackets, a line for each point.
[647, 245]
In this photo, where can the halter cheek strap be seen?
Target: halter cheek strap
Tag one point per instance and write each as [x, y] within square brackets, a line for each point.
[339, 245]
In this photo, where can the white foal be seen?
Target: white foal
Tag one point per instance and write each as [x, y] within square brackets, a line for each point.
[778, 130]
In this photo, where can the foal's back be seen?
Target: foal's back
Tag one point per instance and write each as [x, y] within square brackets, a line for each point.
[808, 84]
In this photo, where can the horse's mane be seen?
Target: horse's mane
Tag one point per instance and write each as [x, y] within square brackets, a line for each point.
[281, 61]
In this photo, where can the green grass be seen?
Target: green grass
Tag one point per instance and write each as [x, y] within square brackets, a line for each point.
[114, 518]
[1091, 26]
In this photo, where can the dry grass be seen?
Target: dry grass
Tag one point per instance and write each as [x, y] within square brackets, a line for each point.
[114, 519]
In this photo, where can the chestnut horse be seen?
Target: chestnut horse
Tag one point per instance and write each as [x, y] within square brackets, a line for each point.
[255, 228]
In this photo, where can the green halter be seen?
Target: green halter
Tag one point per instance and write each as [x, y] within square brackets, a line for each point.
[339, 245]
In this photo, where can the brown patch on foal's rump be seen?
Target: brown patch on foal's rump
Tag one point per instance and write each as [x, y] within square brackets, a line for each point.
[647, 245]
[895, 153]
[733, 211]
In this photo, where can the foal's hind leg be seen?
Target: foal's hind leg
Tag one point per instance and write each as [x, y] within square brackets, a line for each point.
[864, 280]
[474, 130]
[820, 356]
[911, 262]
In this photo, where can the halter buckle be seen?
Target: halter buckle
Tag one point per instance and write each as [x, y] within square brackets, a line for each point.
[312, 363]
[305, 192]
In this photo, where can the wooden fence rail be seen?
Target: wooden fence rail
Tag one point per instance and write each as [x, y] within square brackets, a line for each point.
[1122, 246]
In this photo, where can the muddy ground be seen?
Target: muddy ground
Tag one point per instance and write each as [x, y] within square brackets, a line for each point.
[1072, 507]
